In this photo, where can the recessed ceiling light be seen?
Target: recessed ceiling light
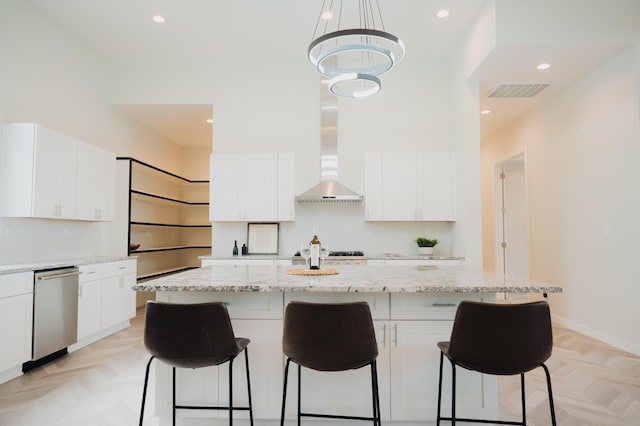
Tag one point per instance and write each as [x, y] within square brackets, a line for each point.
[326, 15]
[209, 120]
[159, 19]
[543, 66]
[485, 112]
[442, 13]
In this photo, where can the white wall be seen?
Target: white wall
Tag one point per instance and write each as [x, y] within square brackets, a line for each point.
[582, 161]
[48, 77]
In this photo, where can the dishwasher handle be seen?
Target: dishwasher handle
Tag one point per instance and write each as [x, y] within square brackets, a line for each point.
[66, 274]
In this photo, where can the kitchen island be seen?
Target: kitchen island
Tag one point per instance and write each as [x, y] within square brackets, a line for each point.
[412, 306]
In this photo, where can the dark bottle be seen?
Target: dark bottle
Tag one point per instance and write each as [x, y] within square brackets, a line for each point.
[235, 248]
[245, 250]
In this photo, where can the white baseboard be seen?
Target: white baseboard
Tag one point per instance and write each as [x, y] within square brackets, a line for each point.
[10, 374]
[598, 335]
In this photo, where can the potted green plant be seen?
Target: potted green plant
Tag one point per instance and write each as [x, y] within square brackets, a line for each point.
[425, 245]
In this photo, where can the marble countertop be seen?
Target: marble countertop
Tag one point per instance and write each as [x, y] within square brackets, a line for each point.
[366, 256]
[59, 263]
[350, 279]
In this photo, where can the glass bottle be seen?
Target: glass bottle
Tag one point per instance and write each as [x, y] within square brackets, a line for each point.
[314, 249]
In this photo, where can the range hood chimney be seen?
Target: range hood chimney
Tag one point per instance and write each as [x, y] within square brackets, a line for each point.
[329, 190]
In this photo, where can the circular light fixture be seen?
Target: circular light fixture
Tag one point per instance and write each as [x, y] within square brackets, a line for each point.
[543, 66]
[351, 46]
[355, 85]
[485, 112]
[159, 19]
[361, 51]
[442, 13]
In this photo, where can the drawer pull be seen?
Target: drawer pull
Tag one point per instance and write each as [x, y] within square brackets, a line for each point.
[443, 305]
[122, 267]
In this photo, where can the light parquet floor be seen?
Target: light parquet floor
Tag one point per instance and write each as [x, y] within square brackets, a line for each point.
[100, 385]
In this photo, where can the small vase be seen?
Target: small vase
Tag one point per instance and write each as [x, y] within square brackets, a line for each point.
[425, 251]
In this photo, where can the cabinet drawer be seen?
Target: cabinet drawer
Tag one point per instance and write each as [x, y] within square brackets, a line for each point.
[378, 302]
[16, 284]
[241, 305]
[428, 306]
[90, 272]
[123, 267]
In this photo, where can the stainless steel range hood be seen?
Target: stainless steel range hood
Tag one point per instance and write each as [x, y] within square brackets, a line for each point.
[329, 190]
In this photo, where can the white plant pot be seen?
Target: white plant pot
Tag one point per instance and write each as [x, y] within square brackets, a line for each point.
[425, 251]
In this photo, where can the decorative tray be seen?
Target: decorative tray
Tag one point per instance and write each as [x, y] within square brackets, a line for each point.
[311, 272]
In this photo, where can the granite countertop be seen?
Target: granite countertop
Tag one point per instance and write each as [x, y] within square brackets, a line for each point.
[383, 256]
[350, 279]
[59, 263]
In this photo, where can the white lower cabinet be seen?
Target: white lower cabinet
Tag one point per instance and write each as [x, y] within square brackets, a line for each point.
[105, 298]
[16, 313]
[89, 284]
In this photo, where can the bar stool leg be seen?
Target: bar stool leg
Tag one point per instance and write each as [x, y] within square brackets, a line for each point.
[553, 411]
[246, 360]
[453, 394]
[173, 393]
[299, 393]
[144, 390]
[284, 391]
[524, 407]
[375, 397]
[231, 392]
[439, 390]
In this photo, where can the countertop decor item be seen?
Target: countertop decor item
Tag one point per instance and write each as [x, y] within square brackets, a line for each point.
[351, 46]
[426, 245]
[134, 246]
[262, 238]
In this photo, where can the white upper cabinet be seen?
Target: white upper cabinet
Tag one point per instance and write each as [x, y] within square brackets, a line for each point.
[41, 175]
[410, 186]
[252, 187]
[96, 183]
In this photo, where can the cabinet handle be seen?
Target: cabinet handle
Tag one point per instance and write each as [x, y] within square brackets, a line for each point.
[384, 335]
[79, 290]
[443, 305]
[121, 284]
[122, 267]
[395, 335]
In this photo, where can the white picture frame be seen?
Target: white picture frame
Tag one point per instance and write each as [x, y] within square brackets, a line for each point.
[262, 238]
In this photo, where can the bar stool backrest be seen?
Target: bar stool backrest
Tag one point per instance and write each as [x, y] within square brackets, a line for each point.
[329, 337]
[501, 339]
[189, 335]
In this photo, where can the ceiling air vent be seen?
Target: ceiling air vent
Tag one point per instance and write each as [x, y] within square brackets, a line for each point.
[517, 90]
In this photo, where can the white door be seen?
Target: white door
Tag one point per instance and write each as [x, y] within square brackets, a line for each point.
[511, 217]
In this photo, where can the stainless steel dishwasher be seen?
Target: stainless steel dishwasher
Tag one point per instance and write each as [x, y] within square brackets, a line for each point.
[55, 311]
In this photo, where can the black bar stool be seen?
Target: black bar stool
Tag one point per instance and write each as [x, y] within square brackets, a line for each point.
[193, 336]
[499, 340]
[330, 337]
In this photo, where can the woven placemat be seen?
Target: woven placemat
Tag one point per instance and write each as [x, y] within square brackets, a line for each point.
[311, 271]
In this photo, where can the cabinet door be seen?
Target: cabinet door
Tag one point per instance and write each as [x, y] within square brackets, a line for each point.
[96, 183]
[88, 308]
[373, 187]
[54, 191]
[117, 300]
[286, 187]
[16, 316]
[15, 330]
[415, 360]
[260, 187]
[436, 186]
[225, 187]
[399, 186]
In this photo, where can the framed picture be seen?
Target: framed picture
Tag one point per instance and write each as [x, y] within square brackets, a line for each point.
[262, 238]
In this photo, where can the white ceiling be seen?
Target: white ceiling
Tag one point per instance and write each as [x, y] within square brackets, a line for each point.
[206, 31]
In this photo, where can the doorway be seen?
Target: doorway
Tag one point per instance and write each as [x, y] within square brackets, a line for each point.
[512, 245]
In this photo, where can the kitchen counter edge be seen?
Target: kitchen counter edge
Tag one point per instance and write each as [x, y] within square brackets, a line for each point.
[62, 263]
